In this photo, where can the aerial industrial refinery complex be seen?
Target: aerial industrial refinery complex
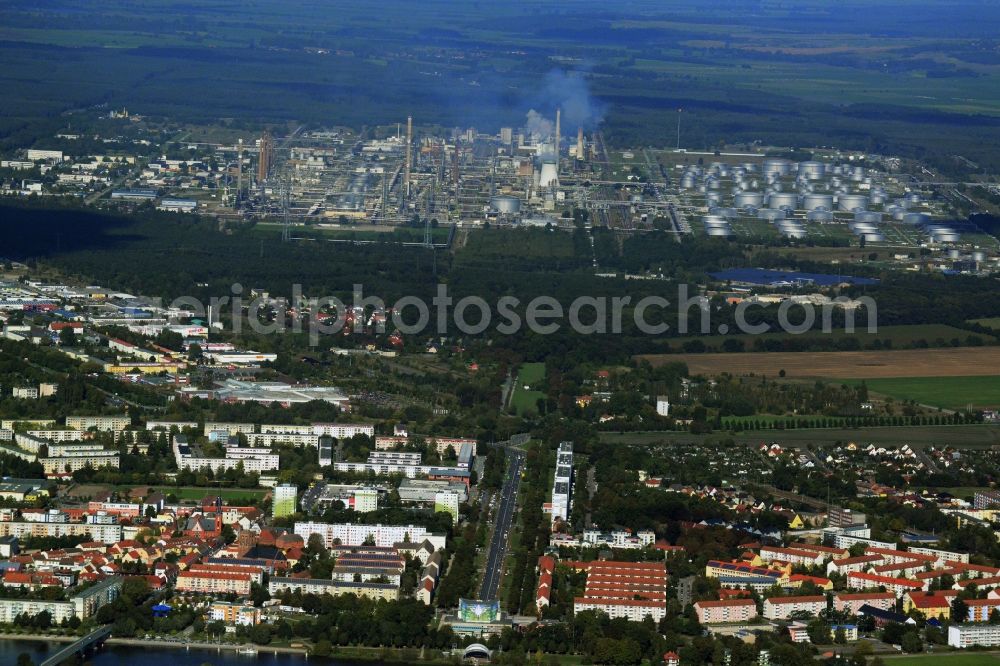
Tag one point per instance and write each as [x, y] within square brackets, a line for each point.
[339, 180]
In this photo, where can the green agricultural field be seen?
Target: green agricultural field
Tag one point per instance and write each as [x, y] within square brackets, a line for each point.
[965, 436]
[525, 400]
[900, 336]
[946, 392]
[991, 322]
[947, 659]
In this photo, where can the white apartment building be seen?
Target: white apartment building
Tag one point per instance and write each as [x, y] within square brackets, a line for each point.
[106, 423]
[82, 605]
[634, 610]
[168, 425]
[74, 461]
[292, 438]
[57, 435]
[562, 488]
[95, 532]
[968, 635]
[343, 430]
[231, 428]
[280, 429]
[356, 535]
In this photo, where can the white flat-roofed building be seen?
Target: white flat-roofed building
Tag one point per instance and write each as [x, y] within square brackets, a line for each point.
[365, 500]
[39, 154]
[326, 451]
[662, 405]
[231, 428]
[188, 456]
[107, 423]
[94, 532]
[57, 435]
[634, 610]
[273, 438]
[562, 487]
[394, 458]
[356, 535]
[81, 605]
[73, 462]
[344, 430]
[169, 425]
[967, 635]
[177, 205]
[272, 428]
[423, 491]
[385, 591]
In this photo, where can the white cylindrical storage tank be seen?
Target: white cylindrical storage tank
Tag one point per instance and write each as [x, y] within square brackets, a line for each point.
[728, 213]
[771, 214]
[812, 170]
[777, 166]
[745, 199]
[821, 216]
[868, 216]
[713, 198]
[874, 237]
[852, 202]
[783, 200]
[954, 254]
[916, 218]
[979, 256]
[749, 167]
[719, 231]
[814, 201]
[505, 204]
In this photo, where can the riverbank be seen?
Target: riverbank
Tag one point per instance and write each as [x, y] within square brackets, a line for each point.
[199, 645]
[160, 643]
[40, 638]
[352, 653]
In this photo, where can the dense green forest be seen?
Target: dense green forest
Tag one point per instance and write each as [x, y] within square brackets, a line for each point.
[167, 255]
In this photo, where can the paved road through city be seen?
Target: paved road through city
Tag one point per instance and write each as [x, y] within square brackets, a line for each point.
[502, 525]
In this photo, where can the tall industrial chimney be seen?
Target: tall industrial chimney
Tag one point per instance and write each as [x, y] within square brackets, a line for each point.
[558, 135]
[239, 171]
[265, 157]
[579, 143]
[409, 155]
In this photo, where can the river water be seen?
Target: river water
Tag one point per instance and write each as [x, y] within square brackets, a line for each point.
[120, 655]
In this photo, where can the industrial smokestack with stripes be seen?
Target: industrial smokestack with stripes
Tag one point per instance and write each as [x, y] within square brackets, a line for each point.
[409, 156]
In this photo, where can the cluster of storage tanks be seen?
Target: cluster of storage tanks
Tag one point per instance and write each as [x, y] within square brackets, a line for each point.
[777, 188]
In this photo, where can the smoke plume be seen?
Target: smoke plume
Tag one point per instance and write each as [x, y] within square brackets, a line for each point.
[570, 92]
